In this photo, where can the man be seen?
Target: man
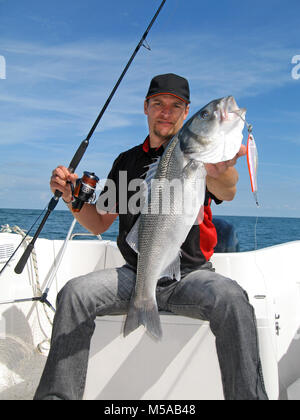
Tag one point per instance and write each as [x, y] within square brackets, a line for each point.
[200, 293]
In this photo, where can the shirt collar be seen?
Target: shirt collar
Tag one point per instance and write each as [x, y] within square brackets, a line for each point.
[152, 151]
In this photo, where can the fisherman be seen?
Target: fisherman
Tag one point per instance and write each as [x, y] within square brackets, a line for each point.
[200, 293]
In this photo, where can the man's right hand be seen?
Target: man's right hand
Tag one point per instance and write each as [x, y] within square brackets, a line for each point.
[59, 181]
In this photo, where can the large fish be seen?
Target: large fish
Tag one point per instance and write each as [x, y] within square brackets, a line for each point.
[176, 191]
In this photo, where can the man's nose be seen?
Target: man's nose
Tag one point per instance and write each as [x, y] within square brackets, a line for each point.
[166, 111]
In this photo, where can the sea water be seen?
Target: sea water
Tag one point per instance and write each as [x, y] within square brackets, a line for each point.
[252, 232]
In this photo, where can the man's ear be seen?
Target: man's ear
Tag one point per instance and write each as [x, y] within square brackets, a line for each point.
[187, 110]
[146, 107]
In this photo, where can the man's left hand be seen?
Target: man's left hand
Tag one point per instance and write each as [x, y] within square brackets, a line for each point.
[215, 170]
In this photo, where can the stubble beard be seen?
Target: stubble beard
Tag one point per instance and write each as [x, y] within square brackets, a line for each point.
[162, 137]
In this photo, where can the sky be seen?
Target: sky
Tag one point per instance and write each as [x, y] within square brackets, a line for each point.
[59, 61]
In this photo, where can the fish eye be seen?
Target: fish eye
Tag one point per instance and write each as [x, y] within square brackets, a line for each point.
[204, 114]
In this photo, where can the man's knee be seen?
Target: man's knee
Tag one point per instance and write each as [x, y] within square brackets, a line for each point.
[221, 294]
[231, 292]
[73, 290]
[231, 307]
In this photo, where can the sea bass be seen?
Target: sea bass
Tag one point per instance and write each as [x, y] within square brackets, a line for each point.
[212, 135]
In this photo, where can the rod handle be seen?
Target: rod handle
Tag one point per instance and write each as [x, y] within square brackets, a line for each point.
[78, 156]
[23, 260]
[73, 165]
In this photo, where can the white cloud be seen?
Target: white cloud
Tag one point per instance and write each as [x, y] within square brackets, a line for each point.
[62, 88]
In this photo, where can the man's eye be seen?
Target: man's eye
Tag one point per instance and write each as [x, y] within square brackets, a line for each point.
[204, 114]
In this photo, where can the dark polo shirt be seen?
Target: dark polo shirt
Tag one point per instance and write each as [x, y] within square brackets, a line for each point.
[202, 238]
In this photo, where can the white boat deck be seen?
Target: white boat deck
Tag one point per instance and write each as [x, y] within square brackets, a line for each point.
[184, 365]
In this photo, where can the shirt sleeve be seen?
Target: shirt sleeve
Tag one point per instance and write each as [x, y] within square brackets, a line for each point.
[214, 198]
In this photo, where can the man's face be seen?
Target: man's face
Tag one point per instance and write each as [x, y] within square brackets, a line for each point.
[166, 115]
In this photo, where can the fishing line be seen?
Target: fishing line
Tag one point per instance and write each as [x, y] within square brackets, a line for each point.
[166, 24]
[83, 146]
[266, 295]
[255, 233]
[253, 172]
[252, 160]
[252, 167]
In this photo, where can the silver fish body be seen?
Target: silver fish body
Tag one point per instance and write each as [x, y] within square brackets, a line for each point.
[174, 202]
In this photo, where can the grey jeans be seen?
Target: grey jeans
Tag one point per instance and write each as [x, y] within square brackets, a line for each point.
[201, 294]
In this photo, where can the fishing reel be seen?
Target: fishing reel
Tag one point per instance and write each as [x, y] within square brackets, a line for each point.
[84, 191]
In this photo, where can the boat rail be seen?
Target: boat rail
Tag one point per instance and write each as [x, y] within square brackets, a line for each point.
[84, 234]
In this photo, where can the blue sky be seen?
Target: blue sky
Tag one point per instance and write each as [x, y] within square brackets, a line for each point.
[63, 58]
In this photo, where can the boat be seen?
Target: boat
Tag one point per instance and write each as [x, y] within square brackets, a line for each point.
[184, 365]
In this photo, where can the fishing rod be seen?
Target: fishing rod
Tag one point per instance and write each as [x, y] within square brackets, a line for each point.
[82, 148]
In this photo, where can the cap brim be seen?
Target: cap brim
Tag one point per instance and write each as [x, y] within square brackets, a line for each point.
[168, 93]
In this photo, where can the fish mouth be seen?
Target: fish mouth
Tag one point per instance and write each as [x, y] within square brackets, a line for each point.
[228, 109]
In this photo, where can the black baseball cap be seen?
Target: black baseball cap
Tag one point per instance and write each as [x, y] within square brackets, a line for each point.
[169, 84]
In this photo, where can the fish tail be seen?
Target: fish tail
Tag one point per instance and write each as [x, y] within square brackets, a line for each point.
[147, 315]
